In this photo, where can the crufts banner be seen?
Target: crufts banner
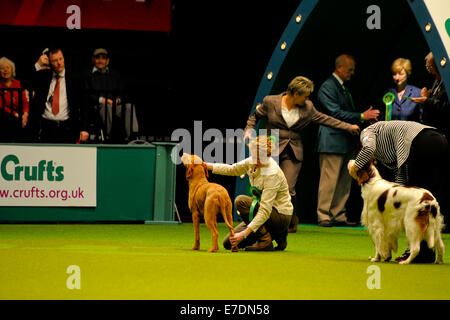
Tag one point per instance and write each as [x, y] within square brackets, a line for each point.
[145, 15]
[53, 176]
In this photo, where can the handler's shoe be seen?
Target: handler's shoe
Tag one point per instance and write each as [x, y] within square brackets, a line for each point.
[281, 241]
[293, 225]
[404, 256]
[426, 255]
[264, 242]
[325, 223]
[260, 246]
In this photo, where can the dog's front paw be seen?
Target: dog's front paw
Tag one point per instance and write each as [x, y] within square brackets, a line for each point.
[196, 245]
[407, 261]
[374, 259]
[439, 261]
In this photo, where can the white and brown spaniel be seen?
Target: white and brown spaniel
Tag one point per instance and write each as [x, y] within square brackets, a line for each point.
[390, 207]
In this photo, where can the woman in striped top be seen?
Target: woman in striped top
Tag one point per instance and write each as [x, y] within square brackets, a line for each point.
[419, 156]
[390, 142]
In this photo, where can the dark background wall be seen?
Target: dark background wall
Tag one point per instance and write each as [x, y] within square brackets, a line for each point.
[209, 66]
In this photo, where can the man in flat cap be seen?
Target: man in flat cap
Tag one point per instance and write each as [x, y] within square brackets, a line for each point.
[105, 90]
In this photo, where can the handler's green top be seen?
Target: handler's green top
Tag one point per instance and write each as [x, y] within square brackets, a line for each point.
[270, 179]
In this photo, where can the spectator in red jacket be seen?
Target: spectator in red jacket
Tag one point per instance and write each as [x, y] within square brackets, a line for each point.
[14, 107]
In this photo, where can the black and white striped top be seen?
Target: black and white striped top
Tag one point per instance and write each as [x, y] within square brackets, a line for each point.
[389, 142]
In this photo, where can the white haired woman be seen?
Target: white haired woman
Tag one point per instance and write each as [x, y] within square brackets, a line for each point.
[14, 108]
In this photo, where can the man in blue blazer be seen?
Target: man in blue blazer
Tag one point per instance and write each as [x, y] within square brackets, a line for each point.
[337, 147]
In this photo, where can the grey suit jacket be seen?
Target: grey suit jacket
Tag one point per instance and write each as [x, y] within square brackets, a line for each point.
[271, 110]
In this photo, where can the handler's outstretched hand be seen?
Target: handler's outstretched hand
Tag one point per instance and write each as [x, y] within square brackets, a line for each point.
[425, 93]
[371, 114]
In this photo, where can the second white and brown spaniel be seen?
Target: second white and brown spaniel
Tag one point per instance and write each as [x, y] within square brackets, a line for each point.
[390, 207]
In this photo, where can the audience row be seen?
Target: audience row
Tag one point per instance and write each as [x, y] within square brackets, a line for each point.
[62, 106]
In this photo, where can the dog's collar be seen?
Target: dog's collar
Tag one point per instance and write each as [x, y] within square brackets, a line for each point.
[373, 180]
[370, 182]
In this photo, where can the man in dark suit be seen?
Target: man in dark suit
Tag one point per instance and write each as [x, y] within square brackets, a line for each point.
[57, 105]
[337, 147]
[436, 106]
[436, 112]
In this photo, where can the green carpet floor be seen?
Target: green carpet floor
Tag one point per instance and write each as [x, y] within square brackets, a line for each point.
[156, 262]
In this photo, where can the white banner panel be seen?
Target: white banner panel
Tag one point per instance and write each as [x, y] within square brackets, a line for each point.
[440, 12]
[48, 176]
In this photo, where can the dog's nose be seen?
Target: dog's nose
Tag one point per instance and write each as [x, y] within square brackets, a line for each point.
[184, 158]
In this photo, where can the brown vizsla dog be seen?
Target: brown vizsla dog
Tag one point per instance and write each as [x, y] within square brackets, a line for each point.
[206, 198]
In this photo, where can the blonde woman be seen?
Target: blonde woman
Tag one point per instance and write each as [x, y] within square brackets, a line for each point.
[403, 107]
[269, 219]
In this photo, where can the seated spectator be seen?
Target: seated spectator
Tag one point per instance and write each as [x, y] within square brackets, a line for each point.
[105, 98]
[403, 108]
[14, 107]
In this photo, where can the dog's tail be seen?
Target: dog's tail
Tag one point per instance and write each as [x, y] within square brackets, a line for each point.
[423, 215]
[439, 219]
[430, 221]
[436, 222]
[226, 209]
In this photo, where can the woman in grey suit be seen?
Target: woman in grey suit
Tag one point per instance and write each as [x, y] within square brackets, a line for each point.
[290, 112]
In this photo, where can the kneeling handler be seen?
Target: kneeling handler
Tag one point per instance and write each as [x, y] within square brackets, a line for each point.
[271, 216]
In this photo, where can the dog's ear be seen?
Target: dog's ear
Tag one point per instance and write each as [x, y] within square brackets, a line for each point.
[189, 171]
[363, 176]
[205, 166]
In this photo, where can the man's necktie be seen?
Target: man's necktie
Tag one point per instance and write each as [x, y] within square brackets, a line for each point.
[55, 101]
[436, 88]
[349, 96]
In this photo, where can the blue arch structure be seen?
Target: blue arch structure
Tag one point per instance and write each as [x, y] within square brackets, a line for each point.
[432, 31]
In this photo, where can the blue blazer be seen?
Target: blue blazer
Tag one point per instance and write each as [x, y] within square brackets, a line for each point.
[406, 109]
[334, 103]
